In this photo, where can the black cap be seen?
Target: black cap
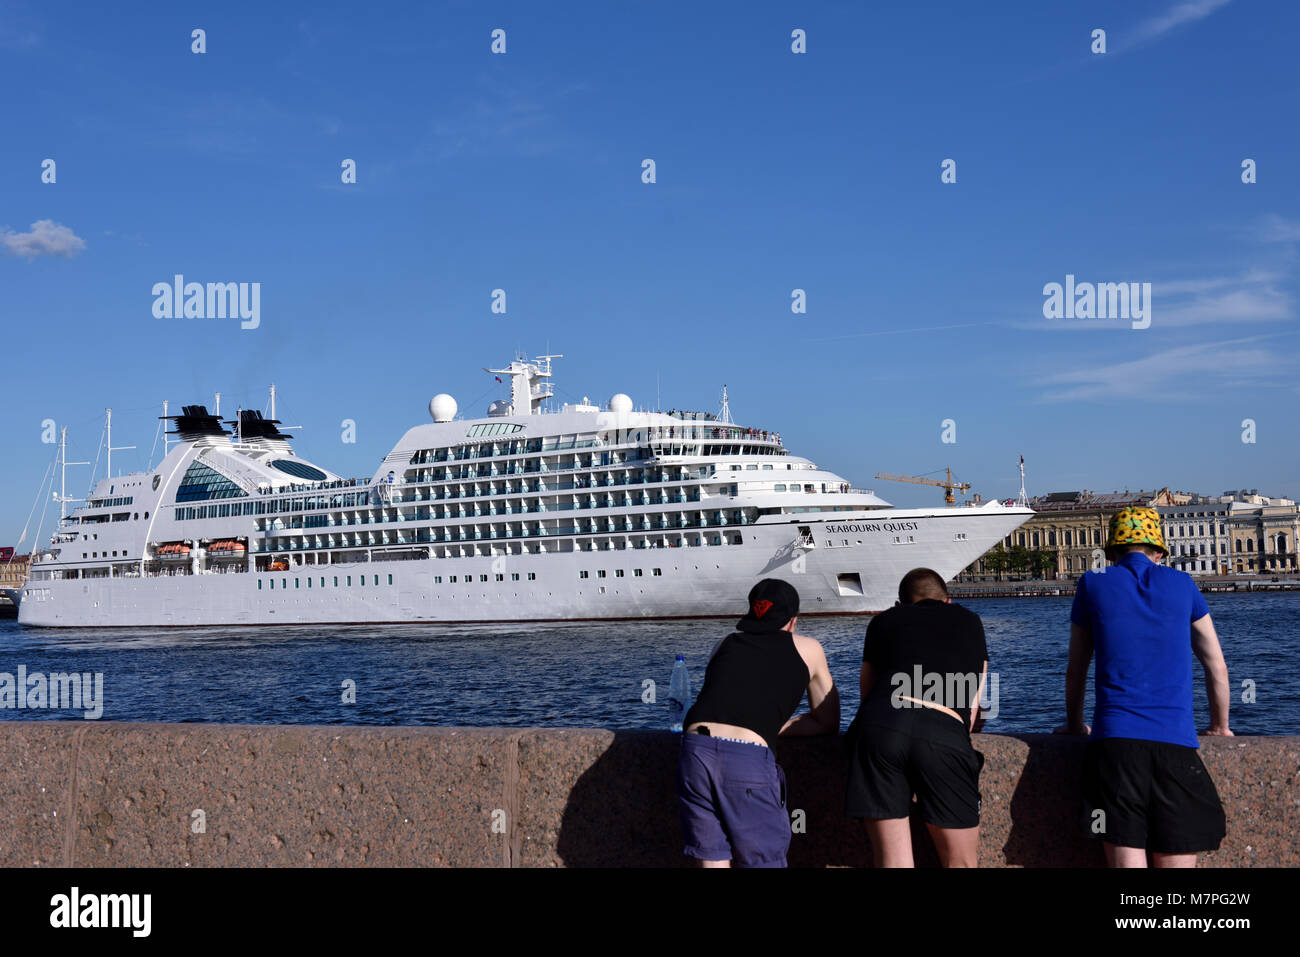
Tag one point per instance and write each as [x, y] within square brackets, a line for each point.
[772, 603]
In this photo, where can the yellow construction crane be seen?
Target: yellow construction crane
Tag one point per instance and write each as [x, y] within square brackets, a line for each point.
[947, 486]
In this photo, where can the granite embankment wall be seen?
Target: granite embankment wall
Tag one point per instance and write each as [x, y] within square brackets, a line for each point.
[91, 794]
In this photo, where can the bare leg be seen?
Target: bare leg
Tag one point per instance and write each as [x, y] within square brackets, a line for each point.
[891, 841]
[957, 846]
[1119, 856]
[715, 863]
[1172, 860]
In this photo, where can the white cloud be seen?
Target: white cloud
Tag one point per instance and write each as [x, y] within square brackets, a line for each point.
[47, 238]
[1277, 229]
[1252, 296]
[1181, 373]
[1180, 13]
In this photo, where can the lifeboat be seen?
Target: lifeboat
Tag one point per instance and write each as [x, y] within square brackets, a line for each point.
[227, 546]
[278, 566]
[173, 550]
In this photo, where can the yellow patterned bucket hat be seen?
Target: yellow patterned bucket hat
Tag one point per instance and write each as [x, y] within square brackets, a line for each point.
[1136, 526]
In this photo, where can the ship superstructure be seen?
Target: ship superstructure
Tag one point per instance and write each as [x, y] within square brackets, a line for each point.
[585, 512]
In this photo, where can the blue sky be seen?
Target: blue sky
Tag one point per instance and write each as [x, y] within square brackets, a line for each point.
[775, 171]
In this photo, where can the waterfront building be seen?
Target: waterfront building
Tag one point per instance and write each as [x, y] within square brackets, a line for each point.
[1197, 535]
[1238, 532]
[13, 569]
[1067, 533]
[1262, 533]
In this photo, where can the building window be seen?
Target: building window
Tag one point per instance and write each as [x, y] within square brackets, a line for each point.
[601, 573]
[259, 584]
[656, 571]
[532, 576]
[583, 575]
[390, 579]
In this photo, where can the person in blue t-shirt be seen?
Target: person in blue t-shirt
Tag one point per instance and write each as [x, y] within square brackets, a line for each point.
[1144, 785]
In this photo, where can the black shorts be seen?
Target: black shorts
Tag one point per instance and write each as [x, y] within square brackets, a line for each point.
[1150, 794]
[890, 764]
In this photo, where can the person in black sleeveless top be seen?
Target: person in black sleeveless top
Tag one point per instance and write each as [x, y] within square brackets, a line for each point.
[923, 667]
[731, 791]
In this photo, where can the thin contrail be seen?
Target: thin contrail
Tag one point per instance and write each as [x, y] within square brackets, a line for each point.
[894, 332]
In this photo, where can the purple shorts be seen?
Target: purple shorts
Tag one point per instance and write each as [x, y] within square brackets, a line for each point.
[731, 795]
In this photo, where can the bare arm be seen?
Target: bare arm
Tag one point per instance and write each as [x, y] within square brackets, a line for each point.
[1205, 645]
[1076, 680]
[823, 715]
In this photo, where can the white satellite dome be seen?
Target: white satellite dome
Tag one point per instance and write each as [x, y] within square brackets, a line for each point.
[499, 407]
[442, 407]
[618, 402]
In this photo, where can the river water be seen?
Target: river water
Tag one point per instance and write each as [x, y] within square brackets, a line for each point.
[587, 674]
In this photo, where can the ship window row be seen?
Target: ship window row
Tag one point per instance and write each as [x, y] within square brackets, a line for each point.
[347, 581]
[492, 449]
[417, 480]
[105, 555]
[97, 520]
[608, 453]
[561, 503]
[235, 509]
[533, 466]
[452, 579]
[110, 502]
[528, 503]
[455, 539]
[619, 573]
[465, 531]
[274, 507]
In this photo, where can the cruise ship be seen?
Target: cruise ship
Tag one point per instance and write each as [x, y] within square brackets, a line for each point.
[528, 513]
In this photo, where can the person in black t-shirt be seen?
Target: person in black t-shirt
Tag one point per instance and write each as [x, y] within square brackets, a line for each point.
[923, 667]
[731, 792]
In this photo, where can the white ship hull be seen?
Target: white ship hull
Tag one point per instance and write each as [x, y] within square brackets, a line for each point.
[705, 581]
[522, 515]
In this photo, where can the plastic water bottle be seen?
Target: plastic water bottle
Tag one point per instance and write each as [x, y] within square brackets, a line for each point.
[679, 694]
